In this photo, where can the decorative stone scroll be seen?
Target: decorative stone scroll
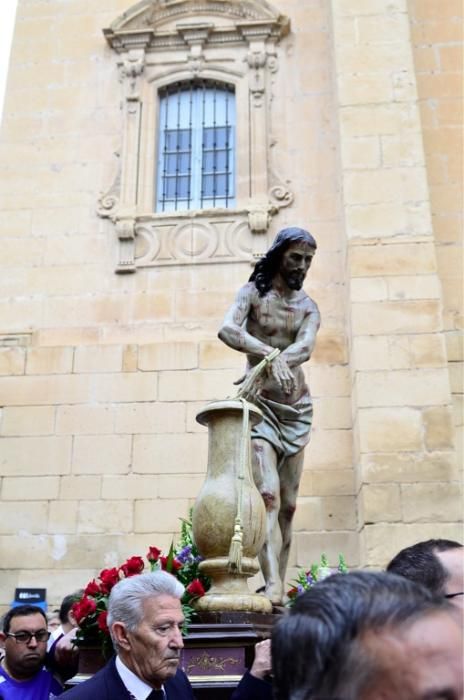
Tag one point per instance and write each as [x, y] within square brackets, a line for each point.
[159, 42]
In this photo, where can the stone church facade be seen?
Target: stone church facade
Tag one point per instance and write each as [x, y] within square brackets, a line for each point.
[341, 116]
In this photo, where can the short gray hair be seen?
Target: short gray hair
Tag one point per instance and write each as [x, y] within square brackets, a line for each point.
[126, 598]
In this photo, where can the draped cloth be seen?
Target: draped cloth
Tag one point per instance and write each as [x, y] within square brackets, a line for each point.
[287, 427]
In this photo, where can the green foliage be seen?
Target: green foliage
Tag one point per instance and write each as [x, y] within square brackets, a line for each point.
[317, 572]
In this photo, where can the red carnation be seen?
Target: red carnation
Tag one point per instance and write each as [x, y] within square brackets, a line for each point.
[101, 622]
[133, 566]
[153, 554]
[175, 565]
[196, 588]
[84, 607]
[92, 588]
[108, 578]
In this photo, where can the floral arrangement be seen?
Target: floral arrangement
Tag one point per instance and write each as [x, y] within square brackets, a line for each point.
[306, 579]
[182, 561]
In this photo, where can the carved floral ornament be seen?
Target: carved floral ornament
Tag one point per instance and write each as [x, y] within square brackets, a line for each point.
[159, 42]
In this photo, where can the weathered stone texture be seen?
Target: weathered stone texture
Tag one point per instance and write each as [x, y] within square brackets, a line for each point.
[35, 456]
[380, 503]
[101, 454]
[28, 420]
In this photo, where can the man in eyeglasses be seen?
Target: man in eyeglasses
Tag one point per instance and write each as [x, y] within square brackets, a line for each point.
[24, 637]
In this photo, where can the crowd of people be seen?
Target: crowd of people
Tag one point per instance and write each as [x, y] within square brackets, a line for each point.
[390, 635]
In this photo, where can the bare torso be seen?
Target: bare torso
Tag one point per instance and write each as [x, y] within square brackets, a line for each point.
[276, 321]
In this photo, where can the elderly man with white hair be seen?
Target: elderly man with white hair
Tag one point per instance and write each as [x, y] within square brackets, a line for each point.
[145, 620]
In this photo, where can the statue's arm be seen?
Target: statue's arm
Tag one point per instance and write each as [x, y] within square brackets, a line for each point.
[233, 330]
[301, 349]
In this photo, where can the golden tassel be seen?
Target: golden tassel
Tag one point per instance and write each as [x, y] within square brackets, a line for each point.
[236, 547]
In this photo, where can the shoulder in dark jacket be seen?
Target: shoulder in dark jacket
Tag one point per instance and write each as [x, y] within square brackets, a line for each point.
[252, 688]
[107, 685]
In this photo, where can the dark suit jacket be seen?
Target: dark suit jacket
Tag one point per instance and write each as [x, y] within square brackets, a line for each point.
[107, 685]
[251, 688]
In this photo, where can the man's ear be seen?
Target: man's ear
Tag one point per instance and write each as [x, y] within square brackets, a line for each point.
[2, 639]
[71, 619]
[120, 635]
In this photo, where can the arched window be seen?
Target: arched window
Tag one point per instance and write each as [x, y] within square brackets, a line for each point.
[196, 146]
[197, 179]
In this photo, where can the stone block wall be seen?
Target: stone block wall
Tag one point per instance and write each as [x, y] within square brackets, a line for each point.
[437, 39]
[404, 449]
[101, 375]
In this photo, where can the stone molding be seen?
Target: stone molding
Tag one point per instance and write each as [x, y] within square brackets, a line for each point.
[164, 41]
[221, 236]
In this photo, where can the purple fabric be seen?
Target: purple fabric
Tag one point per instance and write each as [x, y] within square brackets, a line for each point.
[41, 687]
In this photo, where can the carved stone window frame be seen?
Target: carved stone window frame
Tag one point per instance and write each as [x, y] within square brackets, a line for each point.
[159, 42]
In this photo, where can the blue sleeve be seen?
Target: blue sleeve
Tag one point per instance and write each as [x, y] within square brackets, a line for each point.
[56, 688]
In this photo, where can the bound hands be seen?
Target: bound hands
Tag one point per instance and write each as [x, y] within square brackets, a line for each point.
[251, 385]
[277, 368]
[282, 374]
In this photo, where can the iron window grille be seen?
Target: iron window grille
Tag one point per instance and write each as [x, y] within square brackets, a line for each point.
[196, 147]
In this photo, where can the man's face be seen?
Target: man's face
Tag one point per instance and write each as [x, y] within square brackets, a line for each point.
[153, 648]
[295, 264]
[421, 662]
[453, 562]
[23, 660]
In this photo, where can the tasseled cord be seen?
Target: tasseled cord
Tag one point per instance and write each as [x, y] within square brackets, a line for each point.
[236, 543]
[236, 548]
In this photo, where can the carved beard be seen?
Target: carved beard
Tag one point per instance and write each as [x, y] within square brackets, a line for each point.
[293, 280]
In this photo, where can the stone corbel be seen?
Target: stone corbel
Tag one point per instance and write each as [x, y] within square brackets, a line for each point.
[196, 60]
[256, 59]
[258, 217]
[131, 70]
[195, 35]
[125, 229]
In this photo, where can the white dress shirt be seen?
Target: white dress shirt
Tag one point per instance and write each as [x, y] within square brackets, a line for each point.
[136, 687]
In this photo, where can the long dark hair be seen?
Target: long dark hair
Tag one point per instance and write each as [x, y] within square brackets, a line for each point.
[266, 268]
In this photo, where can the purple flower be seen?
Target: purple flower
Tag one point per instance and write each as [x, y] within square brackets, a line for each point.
[184, 555]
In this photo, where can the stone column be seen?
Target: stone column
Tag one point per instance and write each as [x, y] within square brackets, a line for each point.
[407, 479]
